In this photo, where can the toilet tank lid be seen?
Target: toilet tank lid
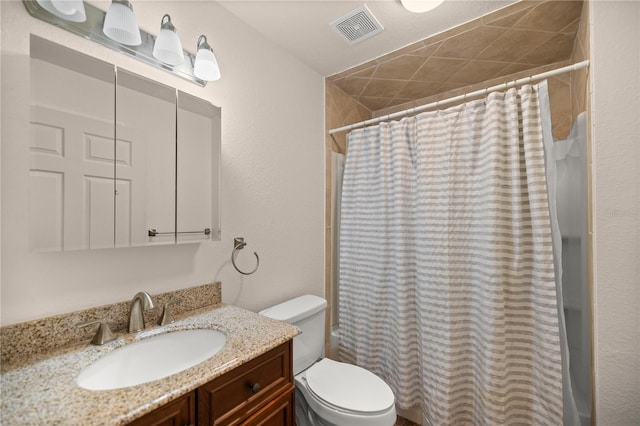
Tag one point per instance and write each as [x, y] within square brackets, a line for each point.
[296, 309]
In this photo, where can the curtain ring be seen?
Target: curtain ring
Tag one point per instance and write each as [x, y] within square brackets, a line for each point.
[239, 244]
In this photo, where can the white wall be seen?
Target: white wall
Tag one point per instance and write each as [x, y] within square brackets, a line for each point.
[615, 112]
[272, 174]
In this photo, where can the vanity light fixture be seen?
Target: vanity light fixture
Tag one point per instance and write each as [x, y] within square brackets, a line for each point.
[121, 25]
[121, 33]
[69, 10]
[206, 65]
[168, 47]
[420, 6]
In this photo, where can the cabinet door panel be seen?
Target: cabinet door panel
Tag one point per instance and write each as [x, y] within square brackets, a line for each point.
[279, 412]
[145, 161]
[180, 412]
[231, 398]
[109, 150]
[72, 155]
[198, 174]
[71, 113]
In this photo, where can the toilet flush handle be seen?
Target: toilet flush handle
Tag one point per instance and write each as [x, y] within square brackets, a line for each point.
[255, 387]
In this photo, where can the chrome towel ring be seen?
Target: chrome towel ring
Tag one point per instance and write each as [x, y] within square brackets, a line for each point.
[238, 244]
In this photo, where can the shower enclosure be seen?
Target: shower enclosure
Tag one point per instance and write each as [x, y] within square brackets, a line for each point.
[571, 187]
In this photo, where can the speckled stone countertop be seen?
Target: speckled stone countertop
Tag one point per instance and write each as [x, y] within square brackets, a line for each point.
[43, 390]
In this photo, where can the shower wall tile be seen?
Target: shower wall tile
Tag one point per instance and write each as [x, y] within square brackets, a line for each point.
[340, 109]
[551, 16]
[579, 81]
[469, 44]
[553, 50]
[560, 89]
[521, 36]
[560, 100]
[402, 68]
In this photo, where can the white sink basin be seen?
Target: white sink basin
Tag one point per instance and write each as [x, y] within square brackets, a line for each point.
[151, 359]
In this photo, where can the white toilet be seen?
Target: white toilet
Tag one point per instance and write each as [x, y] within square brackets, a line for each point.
[330, 393]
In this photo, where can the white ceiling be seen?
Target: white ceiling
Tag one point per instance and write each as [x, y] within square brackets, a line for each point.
[302, 27]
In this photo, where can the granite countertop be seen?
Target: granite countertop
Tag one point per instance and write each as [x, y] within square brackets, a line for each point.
[43, 390]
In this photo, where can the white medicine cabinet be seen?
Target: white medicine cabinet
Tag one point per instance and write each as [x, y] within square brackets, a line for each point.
[116, 159]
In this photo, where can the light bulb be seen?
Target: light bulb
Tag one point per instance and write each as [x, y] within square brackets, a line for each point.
[168, 47]
[420, 6]
[69, 10]
[120, 23]
[206, 65]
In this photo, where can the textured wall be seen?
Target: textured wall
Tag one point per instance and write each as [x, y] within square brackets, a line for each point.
[615, 136]
[272, 174]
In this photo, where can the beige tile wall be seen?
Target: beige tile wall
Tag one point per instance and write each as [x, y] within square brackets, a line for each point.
[340, 109]
[579, 86]
[559, 93]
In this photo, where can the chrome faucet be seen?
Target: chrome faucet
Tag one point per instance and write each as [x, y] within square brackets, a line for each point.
[141, 301]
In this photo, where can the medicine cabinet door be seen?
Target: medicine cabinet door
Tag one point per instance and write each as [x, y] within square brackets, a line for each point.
[198, 169]
[71, 150]
[116, 159]
[145, 161]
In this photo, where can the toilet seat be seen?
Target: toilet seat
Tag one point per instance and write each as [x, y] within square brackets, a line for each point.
[348, 388]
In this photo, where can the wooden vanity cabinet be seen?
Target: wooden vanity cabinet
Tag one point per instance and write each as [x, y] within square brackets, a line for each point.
[179, 412]
[279, 412]
[257, 393]
[251, 393]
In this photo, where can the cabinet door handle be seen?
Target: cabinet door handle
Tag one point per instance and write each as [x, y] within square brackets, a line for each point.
[255, 387]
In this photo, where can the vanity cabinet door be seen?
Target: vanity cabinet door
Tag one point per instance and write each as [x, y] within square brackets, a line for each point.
[279, 412]
[248, 392]
[180, 412]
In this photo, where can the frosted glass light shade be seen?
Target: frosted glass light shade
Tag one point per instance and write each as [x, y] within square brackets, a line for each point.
[120, 24]
[168, 47]
[69, 10]
[206, 65]
[420, 6]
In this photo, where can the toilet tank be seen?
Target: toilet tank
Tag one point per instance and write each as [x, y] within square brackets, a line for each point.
[306, 313]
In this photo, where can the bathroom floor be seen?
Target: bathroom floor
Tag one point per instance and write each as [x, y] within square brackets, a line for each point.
[404, 422]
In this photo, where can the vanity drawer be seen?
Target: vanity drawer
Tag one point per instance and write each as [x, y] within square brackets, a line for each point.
[242, 392]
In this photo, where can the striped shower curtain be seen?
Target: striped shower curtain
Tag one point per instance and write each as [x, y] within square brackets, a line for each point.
[446, 265]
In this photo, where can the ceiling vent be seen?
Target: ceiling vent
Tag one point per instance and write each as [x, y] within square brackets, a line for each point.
[356, 26]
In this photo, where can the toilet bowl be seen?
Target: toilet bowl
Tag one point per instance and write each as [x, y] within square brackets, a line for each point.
[330, 393]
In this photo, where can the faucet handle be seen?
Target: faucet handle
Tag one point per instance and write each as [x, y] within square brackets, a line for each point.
[103, 335]
[166, 317]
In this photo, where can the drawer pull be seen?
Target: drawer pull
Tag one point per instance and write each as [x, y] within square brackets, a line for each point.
[255, 387]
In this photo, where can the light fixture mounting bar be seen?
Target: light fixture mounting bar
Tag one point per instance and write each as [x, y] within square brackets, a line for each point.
[92, 29]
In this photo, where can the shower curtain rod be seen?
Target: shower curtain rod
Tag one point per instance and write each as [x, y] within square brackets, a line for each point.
[436, 104]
